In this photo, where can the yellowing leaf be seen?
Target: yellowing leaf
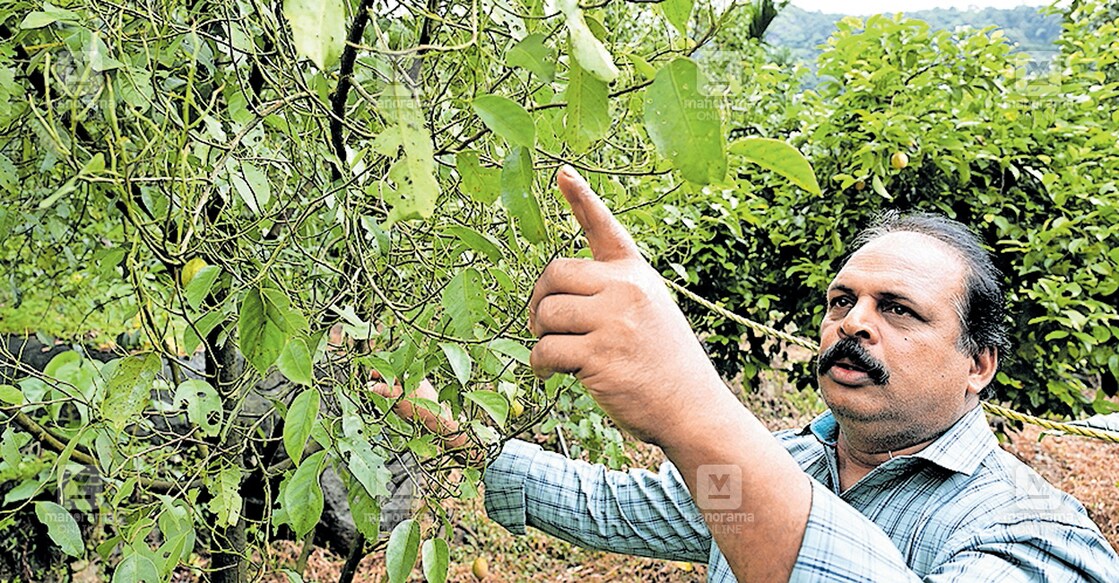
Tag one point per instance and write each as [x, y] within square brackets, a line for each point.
[294, 362]
[302, 497]
[677, 13]
[414, 174]
[318, 28]
[493, 403]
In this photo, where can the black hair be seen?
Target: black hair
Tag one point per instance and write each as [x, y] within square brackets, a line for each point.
[982, 308]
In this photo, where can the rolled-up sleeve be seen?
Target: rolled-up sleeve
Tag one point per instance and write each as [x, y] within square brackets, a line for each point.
[635, 512]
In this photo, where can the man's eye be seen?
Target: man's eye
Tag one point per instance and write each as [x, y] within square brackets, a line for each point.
[899, 310]
[840, 302]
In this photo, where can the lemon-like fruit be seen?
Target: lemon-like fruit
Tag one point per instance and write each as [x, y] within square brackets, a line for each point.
[480, 568]
[899, 160]
[517, 409]
[860, 185]
[191, 269]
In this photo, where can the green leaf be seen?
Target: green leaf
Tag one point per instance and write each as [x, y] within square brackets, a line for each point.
[203, 325]
[493, 403]
[480, 184]
[585, 47]
[251, 184]
[11, 395]
[464, 299]
[196, 291]
[642, 66]
[677, 13]
[364, 509]
[292, 576]
[47, 17]
[779, 157]
[225, 489]
[204, 407]
[298, 423]
[67, 187]
[512, 349]
[137, 568]
[436, 560]
[459, 360]
[531, 54]
[588, 108]
[477, 241]
[129, 388]
[402, 550]
[303, 499]
[876, 184]
[295, 362]
[265, 324]
[517, 197]
[417, 190]
[507, 119]
[366, 466]
[685, 124]
[318, 28]
[61, 527]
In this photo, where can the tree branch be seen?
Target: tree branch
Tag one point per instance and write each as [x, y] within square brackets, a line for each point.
[342, 90]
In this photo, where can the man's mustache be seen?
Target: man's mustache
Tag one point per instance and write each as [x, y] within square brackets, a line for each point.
[853, 351]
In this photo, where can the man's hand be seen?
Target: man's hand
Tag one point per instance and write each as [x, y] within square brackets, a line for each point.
[611, 322]
[441, 424]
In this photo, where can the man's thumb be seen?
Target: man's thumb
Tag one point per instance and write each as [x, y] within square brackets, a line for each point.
[607, 238]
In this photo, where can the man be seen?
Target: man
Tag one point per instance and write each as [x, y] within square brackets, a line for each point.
[901, 480]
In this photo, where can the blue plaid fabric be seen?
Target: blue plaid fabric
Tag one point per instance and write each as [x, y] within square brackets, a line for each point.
[961, 510]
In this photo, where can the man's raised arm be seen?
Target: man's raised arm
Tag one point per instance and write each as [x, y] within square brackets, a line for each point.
[611, 322]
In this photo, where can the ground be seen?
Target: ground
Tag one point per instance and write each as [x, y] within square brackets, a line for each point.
[1086, 468]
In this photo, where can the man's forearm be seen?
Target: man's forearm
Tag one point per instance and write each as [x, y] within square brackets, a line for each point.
[753, 495]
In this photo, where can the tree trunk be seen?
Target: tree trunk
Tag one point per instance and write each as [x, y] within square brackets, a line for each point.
[224, 368]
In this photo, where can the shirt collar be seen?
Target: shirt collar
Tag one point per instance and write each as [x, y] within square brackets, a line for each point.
[961, 449]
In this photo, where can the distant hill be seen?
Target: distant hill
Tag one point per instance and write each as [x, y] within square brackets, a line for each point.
[801, 32]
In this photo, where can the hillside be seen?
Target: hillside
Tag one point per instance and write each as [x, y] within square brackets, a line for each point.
[801, 32]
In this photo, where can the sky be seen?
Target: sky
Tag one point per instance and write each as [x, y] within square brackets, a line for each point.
[860, 7]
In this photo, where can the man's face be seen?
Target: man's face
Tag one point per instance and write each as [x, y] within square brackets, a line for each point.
[889, 365]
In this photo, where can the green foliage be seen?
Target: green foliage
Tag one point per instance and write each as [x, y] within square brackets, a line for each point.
[239, 183]
[1027, 158]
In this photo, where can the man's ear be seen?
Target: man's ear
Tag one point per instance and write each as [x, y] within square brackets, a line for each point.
[984, 365]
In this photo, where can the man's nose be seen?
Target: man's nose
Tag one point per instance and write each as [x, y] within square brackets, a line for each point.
[860, 321]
